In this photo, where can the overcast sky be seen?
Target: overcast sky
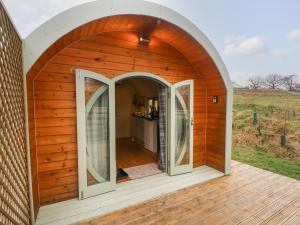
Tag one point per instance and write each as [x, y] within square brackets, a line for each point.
[253, 37]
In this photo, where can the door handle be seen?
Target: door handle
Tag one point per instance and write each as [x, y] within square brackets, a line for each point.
[192, 121]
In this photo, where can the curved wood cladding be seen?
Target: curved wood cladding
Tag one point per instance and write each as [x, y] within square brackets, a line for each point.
[171, 54]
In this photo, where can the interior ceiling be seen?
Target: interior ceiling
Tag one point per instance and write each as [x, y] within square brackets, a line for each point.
[140, 84]
[201, 62]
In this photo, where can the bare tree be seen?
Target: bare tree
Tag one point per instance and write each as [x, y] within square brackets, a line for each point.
[289, 82]
[273, 81]
[255, 82]
[297, 87]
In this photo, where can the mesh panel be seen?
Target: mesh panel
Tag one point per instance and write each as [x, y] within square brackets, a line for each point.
[14, 203]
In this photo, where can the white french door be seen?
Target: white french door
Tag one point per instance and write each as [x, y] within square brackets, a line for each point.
[181, 127]
[95, 101]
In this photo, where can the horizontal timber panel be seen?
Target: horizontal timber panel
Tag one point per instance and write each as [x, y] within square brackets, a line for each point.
[217, 149]
[219, 92]
[58, 113]
[105, 57]
[61, 68]
[215, 109]
[59, 173]
[54, 122]
[219, 130]
[55, 95]
[214, 138]
[216, 116]
[58, 190]
[54, 157]
[71, 163]
[60, 130]
[55, 148]
[83, 62]
[59, 139]
[58, 197]
[54, 86]
[54, 104]
[56, 182]
[56, 77]
[217, 160]
[215, 82]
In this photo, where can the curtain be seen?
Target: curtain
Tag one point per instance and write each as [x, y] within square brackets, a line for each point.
[182, 125]
[162, 101]
[97, 127]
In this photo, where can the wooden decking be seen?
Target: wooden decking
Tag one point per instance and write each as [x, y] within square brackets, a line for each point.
[127, 194]
[249, 196]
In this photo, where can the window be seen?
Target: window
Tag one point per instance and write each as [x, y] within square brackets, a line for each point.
[152, 105]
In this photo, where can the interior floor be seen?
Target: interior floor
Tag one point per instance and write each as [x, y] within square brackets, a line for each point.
[130, 154]
[137, 119]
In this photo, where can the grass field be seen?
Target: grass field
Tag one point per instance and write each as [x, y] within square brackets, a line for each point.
[258, 141]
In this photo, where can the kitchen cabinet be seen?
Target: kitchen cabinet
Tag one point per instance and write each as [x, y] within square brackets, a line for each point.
[145, 132]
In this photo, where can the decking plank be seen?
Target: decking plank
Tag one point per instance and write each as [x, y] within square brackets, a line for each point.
[249, 196]
[127, 194]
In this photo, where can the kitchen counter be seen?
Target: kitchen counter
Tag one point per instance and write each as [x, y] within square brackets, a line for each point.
[145, 117]
[145, 132]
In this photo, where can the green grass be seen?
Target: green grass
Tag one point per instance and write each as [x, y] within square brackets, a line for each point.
[263, 149]
[267, 161]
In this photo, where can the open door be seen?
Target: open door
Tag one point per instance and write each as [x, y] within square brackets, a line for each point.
[95, 102]
[181, 128]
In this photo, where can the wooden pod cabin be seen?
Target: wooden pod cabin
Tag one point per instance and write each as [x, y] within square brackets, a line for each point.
[120, 90]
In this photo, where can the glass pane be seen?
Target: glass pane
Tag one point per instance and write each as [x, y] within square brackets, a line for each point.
[97, 132]
[182, 125]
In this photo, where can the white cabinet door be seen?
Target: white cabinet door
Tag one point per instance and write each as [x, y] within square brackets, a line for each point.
[181, 130]
[139, 129]
[95, 133]
[151, 135]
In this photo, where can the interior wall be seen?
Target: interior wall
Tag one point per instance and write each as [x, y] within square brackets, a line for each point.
[125, 91]
[124, 109]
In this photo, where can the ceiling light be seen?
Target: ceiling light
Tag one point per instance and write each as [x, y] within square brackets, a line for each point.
[144, 40]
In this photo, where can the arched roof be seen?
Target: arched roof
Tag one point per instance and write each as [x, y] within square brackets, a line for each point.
[37, 43]
[137, 16]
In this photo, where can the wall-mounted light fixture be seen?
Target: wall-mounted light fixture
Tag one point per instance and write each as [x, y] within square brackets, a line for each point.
[144, 40]
[215, 99]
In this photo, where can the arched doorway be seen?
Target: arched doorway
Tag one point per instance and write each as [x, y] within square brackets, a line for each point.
[164, 127]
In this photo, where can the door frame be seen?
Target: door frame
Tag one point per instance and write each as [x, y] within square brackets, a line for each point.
[112, 82]
[142, 74]
[180, 169]
[85, 190]
[168, 85]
